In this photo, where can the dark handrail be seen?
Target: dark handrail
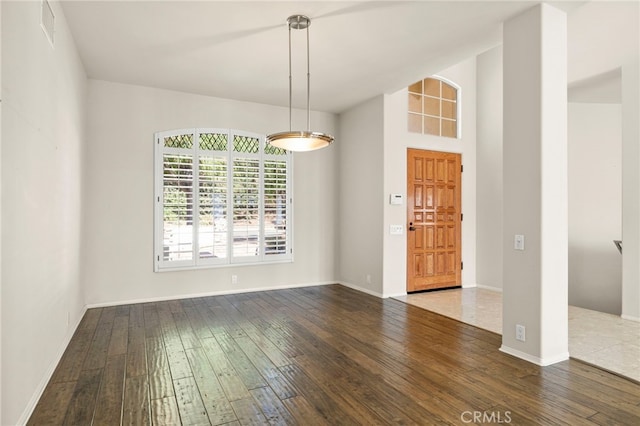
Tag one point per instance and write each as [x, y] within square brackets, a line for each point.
[618, 244]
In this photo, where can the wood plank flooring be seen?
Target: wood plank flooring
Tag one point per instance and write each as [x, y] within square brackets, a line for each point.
[312, 356]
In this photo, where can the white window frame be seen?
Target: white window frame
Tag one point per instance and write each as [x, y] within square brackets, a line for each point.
[196, 262]
[458, 107]
[458, 103]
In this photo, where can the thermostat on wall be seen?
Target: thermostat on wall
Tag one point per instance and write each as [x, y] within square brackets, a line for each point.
[395, 199]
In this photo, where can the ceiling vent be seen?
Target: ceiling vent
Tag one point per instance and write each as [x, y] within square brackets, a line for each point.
[47, 20]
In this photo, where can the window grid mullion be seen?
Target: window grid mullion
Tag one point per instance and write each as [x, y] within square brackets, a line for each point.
[230, 195]
[158, 203]
[440, 102]
[196, 197]
[261, 203]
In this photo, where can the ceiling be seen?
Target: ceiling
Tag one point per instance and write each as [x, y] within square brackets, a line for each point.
[238, 49]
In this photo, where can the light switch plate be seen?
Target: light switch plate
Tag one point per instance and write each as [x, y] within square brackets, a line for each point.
[518, 242]
[396, 199]
[396, 229]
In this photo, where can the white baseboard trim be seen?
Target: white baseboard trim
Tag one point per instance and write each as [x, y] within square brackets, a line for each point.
[486, 287]
[206, 294]
[482, 286]
[534, 359]
[361, 289]
[630, 318]
[28, 410]
[371, 292]
[387, 295]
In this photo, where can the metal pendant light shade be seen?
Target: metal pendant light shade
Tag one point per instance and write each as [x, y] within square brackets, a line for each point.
[299, 140]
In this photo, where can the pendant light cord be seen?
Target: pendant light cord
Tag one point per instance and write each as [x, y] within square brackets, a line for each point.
[290, 87]
[308, 81]
[299, 140]
[308, 84]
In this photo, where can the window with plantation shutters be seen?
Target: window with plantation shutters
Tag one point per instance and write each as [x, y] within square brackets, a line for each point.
[222, 197]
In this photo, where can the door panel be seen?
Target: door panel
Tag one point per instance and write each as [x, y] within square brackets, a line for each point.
[434, 217]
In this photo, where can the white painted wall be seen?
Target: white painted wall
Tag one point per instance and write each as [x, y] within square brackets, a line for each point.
[602, 35]
[596, 51]
[360, 214]
[43, 114]
[631, 187]
[595, 206]
[489, 169]
[605, 36]
[1, 97]
[118, 237]
[535, 185]
[396, 141]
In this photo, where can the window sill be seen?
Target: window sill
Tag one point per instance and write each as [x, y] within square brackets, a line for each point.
[219, 266]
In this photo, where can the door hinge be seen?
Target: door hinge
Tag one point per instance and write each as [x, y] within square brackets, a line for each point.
[461, 217]
[158, 258]
[461, 266]
[461, 168]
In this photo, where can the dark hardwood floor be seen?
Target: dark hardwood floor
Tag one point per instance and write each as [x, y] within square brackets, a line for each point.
[312, 356]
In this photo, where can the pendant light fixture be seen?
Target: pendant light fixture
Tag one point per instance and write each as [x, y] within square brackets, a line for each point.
[299, 140]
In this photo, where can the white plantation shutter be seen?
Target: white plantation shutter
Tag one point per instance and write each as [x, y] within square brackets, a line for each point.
[246, 207]
[212, 197]
[222, 197]
[177, 180]
[276, 207]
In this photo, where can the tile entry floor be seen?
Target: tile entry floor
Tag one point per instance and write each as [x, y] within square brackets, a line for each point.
[604, 340]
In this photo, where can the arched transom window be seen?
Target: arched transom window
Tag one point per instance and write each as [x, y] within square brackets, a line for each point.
[433, 108]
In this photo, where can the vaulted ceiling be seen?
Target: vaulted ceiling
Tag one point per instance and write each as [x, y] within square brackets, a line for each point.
[238, 49]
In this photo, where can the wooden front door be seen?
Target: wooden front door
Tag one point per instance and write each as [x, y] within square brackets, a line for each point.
[433, 220]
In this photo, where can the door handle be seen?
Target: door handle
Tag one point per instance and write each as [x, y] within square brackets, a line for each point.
[411, 227]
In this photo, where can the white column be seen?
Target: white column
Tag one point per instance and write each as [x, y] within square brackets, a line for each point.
[631, 190]
[0, 215]
[535, 185]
